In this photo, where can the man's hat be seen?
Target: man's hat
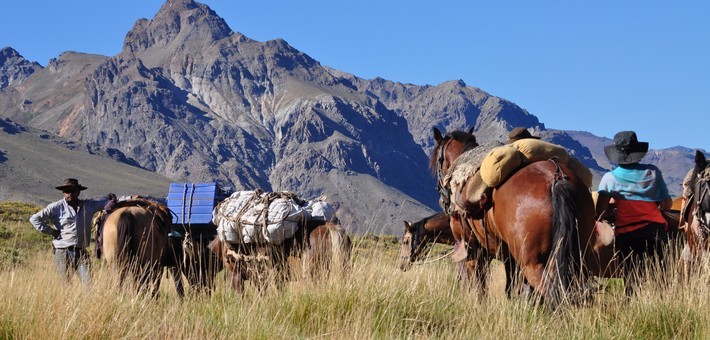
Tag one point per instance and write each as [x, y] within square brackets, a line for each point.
[71, 183]
[519, 133]
[626, 148]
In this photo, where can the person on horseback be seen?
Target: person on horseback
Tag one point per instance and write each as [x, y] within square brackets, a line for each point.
[69, 222]
[639, 193]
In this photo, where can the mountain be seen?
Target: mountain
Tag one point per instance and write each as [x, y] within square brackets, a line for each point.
[33, 162]
[192, 100]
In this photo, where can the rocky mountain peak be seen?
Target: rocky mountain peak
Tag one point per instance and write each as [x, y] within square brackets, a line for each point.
[14, 68]
[178, 25]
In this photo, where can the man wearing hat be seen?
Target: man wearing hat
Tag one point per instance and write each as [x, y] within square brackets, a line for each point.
[519, 133]
[639, 194]
[69, 222]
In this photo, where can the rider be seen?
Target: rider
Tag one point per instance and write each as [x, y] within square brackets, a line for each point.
[639, 193]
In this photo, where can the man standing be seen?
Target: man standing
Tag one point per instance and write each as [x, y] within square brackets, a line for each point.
[69, 222]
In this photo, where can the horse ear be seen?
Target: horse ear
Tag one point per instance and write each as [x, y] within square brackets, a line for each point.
[437, 135]
[470, 130]
[407, 225]
[699, 160]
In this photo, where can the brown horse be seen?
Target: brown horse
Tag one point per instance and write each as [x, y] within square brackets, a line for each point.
[325, 244]
[419, 235]
[541, 217]
[697, 216]
[135, 241]
[329, 249]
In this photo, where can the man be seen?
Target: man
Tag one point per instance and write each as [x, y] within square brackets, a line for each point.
[639, 193]
[69, 222]
[519, 133]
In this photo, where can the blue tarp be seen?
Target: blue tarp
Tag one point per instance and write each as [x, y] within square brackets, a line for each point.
[192, 203]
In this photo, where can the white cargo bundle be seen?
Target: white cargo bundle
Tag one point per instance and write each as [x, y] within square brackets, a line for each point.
[321, 210]
[258, 217]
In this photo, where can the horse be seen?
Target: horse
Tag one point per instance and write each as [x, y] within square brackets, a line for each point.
[189, 254]
[541, 219]
[419, 235]
[697, 216]
[329, 249]
[326, 245]
[135, 242]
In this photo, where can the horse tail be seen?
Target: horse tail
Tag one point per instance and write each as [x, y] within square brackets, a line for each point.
[124, 227]
[564, 262]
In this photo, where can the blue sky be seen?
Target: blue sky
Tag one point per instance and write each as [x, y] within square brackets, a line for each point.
[598, 66]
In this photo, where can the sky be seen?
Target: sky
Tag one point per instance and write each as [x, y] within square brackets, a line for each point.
[599, 66]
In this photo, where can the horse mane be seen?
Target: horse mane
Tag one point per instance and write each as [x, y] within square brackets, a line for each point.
[463, 137]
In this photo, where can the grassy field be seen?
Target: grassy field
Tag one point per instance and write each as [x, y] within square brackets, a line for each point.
[374, 300]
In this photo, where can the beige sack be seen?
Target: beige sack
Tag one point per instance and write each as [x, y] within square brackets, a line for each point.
[499, 163]
[537, 150]
[581, 171]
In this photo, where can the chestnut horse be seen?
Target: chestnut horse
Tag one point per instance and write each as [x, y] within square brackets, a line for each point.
[541, 219]
[135, 242]
[697, 229]
[419, 235]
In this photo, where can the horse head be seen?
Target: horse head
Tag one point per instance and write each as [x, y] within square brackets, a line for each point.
[408, 246]
[702, 189]
[448, 148]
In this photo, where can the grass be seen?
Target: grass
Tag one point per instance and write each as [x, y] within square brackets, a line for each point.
[373, 301]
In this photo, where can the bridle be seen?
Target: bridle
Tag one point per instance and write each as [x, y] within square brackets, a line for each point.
[416, 239]
[442, 186]
[702, 199]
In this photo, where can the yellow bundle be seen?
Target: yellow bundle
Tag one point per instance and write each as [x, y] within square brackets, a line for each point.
[499, 163]
[537, 150]
[502, 161]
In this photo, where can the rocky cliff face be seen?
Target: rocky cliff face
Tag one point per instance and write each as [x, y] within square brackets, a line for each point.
[192, 100]
[14, 68]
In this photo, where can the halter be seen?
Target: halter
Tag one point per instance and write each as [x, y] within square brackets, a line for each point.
[702, 190]
[414, 244]
[441, 187]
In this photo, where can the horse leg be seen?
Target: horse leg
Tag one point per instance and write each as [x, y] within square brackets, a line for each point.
[175, 273]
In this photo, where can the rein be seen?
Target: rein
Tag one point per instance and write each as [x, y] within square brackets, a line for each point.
[436, 259]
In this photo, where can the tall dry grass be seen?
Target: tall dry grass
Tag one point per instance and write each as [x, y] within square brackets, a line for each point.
[373, 300]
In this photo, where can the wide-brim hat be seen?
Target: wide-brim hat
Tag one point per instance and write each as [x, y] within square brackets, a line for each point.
[71, 183]
[626, 148]
[519, 133]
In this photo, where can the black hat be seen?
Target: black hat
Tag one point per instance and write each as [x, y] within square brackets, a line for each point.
[519, 133]
[626, 148]
[71, 183]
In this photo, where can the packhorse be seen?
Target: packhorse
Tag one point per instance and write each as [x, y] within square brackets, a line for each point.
[135, 242]
[325, 244]
[541, 220]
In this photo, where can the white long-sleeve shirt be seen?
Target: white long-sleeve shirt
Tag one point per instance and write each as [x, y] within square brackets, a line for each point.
[74, 225]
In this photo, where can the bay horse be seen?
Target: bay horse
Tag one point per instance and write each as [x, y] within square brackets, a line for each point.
[541, 218]
[419, 235]
[135, 242]
[326, 244]
[697, 216]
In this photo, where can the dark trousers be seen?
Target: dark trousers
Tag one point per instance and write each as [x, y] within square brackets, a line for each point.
[639, 245]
